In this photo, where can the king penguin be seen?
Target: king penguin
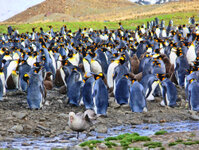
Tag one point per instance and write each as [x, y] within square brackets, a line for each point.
[169, 91]
[87, 91]
[137, 97]
[35, 91]
[122, 90]
[193, 95]
[149, 82]
[100, 95]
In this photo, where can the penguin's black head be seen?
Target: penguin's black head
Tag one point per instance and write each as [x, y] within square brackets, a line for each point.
[43, 57]
[96, 76]
[133, 80]
[26, 78]
[157, 51]
[126, 75]
[1, 70]
[70, 54]
[7, 52]
[36, 70]
[37, 64]
[101, 75]
[161, 77]
[122, 60]
[74, 68]
[65, 62]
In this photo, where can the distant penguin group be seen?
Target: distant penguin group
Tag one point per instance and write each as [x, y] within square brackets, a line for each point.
[133, 66]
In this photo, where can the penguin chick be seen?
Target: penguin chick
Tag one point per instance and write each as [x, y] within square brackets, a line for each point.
[48, 82]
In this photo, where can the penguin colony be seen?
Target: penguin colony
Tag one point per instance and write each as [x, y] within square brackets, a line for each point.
[90, 65]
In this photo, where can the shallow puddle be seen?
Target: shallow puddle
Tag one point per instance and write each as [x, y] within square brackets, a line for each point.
[67, 140]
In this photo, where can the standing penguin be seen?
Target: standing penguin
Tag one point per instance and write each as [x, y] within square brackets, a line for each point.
[193, 95]
[100, 95]
[36, 92]
[74, 93]
[2, 84]
[149, 82]
[122, 90]
[87, 91]
[24, 68]
[137, 97]
[169, 91]
[111, 69]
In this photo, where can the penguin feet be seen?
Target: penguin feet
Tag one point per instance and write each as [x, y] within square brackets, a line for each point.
[162, 103]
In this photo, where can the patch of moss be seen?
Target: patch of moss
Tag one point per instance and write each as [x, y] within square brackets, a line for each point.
[191, 142]
[91, 144]
[110, 144]
[110, 139]
[141, 138]
[172, 144]
[179, 141]
[153, 144]
[161, 132]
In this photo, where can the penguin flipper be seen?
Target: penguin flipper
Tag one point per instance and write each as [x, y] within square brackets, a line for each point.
[43, 93]
[164, 91]
[150, 88]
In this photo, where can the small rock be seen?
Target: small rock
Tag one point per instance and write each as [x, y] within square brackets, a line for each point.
[102, 146]
[63, 115]
[115, 105]
[194, 117]
[42, 119]
[17, 128]
[101, 128]
[19, 115]
[26, 144]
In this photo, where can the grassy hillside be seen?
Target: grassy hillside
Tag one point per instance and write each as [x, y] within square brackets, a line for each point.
[178, 18]
[98, 10]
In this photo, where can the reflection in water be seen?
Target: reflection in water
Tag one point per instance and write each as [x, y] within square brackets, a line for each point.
[66, 140]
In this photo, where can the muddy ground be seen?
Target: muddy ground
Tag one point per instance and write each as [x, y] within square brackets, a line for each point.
[16, 120]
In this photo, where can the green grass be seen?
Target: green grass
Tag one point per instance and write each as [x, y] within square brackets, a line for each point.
[188, 142]
[153, 144]
[178, 18]
[91, 144]
[110, 144]
[161, 132]
[124, 139]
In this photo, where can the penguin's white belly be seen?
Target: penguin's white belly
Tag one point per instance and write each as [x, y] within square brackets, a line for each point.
[96, 67]
[151, 97]
[86, 65]
[110, 74]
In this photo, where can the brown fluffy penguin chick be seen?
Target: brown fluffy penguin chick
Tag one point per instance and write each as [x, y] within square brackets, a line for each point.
[79, 122]
[58, 79]
[138, 76]
[167, 65]
[48, 82]
[135, 62]
[172, 75]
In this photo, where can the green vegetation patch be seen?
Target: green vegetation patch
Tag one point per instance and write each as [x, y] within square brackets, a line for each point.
[178, 18]
[91, 144]
[153, 144]
[110, 144]
[188, 142]
[161, 132]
